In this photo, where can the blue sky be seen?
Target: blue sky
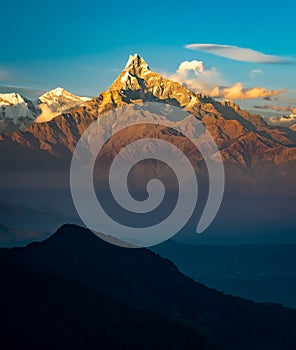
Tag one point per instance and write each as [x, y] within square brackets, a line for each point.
[82, 45]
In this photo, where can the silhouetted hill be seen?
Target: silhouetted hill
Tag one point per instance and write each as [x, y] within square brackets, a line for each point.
[87, 280]
[43, 311]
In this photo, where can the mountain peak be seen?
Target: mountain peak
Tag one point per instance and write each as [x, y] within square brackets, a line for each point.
[136, 65]
[138, 83]
[12, 98]
[57, 93]
[57, 101]
[16, 112]
[136, 61]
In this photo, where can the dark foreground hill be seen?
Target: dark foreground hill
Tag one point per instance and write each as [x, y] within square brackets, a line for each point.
[48, 312]
[74, 291]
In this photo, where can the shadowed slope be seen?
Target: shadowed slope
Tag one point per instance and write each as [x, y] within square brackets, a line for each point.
[146, 282]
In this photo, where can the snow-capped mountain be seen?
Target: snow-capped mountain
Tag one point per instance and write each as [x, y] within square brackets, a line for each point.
[16, 112]
[249, 146]
[56, 102]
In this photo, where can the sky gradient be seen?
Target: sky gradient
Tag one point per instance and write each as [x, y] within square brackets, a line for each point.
[82, 46]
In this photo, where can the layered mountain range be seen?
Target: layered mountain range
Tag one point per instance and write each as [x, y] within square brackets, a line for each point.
[17, 112]
[249, 146]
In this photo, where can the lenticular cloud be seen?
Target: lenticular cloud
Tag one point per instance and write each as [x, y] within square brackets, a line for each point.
[240, 54]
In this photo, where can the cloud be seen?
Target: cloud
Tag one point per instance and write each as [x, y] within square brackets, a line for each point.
[11, 84]
[278, 108]
[28, 92]
[240, 54]
[198, 68]
[288, 99]
[193, 70]
[284, 120]
[280, 120]
[238, 92]
[255, 72]
[196, 77]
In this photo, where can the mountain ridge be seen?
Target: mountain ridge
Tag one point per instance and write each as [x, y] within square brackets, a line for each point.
[18, 112]
[148, 283]
[66, 314]
[56, 102]
[246, 142]
[255, 154]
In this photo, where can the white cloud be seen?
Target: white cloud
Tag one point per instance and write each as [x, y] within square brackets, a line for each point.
[196, 77]
[186, 66]
[255, 72]
[196, 70]
[240, 54]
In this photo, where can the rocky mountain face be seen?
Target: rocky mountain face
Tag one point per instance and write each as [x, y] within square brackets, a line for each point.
[16, 112]
[56, 102]
[249, 146]
[259, 159]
